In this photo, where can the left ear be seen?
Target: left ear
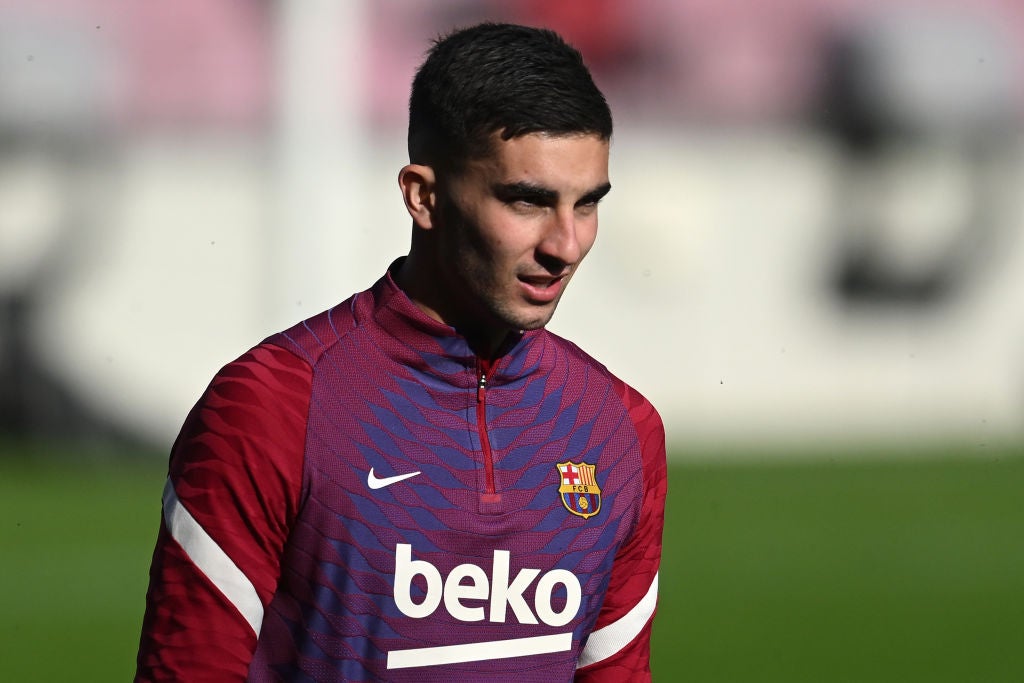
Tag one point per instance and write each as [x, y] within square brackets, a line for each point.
[418, 184]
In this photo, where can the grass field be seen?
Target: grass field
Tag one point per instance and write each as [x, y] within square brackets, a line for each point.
[832, 571]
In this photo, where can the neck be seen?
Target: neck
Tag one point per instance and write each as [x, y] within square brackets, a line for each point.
[420, 285]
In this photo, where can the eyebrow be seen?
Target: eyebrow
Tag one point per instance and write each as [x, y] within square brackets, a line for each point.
[539, 194]
[596, 194]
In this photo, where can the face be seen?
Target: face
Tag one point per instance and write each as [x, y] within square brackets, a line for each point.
[513, 228]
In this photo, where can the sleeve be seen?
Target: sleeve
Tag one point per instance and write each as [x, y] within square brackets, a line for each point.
[619, 647]
[232, 494]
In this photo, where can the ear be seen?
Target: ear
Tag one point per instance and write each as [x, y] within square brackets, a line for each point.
[419, 190]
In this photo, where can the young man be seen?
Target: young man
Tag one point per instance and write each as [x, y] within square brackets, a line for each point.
[422, 483]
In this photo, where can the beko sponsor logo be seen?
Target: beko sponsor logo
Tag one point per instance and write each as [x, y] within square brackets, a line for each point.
[470, 595]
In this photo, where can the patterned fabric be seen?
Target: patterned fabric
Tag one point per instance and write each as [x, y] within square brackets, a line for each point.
[359, 498]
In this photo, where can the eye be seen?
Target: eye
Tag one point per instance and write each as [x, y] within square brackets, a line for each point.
[525, 205]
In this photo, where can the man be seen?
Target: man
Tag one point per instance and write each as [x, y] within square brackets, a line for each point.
[422, 483]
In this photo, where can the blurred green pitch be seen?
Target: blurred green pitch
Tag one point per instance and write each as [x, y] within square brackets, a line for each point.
[909, 569]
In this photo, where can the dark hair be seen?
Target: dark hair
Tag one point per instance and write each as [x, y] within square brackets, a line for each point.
[502, 78]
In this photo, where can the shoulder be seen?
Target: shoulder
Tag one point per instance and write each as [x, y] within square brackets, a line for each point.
[261, 396]
[309, 339]
[274, 378]
[634, 402]
[246, 434]
[264, 393]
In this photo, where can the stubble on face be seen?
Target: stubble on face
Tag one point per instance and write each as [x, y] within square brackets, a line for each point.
[511, 230]
[482, 284]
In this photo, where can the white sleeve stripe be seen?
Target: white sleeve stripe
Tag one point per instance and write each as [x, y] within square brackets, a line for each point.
[211, 560]
[607, 641]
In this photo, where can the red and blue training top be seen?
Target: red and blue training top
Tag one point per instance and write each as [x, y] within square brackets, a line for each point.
[360, 498]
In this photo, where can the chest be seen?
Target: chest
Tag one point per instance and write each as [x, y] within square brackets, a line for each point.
[540, 467]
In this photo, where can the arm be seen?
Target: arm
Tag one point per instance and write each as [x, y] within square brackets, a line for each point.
[231, 496]
[619, 648]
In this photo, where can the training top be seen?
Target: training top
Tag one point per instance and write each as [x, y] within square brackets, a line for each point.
[361, 498]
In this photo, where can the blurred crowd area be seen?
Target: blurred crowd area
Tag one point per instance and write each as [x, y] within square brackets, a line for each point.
[816, 231]
[137, 68]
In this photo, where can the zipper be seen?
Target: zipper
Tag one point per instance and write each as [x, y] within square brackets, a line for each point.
[484, 368]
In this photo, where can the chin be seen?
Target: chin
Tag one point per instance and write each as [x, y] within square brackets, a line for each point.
[522, 316]
[533, 322]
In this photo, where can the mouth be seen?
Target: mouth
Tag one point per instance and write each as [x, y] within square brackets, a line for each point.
[542, 289]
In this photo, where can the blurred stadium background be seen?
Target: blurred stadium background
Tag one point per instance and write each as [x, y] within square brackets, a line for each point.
[812, 262]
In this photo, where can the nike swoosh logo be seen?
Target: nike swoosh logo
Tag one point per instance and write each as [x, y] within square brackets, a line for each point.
[375, 482]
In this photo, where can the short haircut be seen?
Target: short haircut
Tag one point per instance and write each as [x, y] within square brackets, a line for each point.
[499, 78]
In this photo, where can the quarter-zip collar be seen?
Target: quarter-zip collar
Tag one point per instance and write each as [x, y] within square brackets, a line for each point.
[414, 339]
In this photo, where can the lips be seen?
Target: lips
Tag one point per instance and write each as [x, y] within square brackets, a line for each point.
[542, 289]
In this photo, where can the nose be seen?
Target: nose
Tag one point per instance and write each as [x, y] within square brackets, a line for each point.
[561, 239]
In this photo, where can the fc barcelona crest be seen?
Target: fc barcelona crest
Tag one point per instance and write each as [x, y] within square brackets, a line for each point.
[578, 488]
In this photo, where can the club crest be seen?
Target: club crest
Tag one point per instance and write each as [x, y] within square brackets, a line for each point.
[578, 488]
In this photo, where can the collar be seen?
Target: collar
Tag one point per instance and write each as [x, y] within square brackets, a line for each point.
[416, 340]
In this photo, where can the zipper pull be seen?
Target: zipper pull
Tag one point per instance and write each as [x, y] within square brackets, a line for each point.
[483, 368]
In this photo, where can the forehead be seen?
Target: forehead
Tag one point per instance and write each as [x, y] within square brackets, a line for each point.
[542, 158]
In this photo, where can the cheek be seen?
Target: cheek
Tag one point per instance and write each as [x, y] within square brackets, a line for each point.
[483, 257]
[586, 234]
[498, 241]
